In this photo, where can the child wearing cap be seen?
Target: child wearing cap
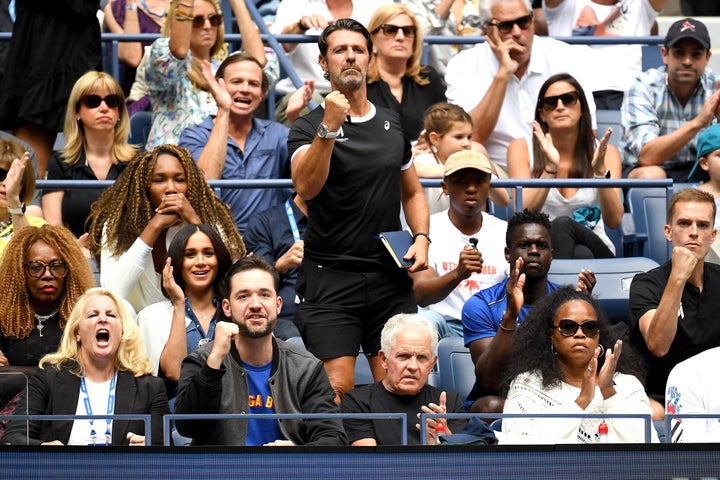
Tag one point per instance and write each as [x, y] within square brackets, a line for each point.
[708, 161]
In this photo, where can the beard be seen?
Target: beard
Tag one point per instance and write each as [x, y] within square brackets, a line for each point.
[348, 81]
[259, 331]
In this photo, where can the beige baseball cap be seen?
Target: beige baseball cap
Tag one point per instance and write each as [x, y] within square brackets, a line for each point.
[466, 159]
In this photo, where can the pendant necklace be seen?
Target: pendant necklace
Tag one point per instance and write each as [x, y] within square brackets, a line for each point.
[42, 318]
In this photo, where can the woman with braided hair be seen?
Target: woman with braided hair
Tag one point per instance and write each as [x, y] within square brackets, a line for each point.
[133, 222]
[43, 274]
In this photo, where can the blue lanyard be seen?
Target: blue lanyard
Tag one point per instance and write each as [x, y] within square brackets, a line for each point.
[110, 408]
[291, 219]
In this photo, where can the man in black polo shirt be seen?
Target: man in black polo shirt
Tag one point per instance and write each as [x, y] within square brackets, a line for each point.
[674, 307]
[351, 163]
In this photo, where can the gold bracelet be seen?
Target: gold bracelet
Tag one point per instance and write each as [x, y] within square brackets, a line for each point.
[181, 17]
[188, 5]
[509, 330]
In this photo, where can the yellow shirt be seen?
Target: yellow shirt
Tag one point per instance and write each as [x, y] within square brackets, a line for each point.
[8, 232]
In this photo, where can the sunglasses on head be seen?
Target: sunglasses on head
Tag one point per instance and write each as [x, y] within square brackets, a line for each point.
[215, 20]
[507, 26]
[568, 328]
[94, 101]
[550, 103]
[391, 30]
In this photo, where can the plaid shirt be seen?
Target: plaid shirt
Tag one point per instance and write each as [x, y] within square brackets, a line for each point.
[650, 109]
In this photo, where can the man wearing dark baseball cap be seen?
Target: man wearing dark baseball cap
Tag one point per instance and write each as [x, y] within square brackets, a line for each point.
[666, 108]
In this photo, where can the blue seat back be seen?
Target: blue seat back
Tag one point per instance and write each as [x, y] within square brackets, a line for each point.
[648, 207]
[140, 125]
[457, 372]
[609, 118]
[613, 275]
[363, 373]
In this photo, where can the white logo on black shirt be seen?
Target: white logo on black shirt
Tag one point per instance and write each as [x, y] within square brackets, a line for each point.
[387, 125]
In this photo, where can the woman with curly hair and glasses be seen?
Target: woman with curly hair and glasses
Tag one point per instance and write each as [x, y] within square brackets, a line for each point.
[134, 221]
[566, 359]
[96, 148]
[101, 369]
[43, 274]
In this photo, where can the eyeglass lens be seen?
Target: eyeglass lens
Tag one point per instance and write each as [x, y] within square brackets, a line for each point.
[94, 101]
[214, 18]
[391, 30]
[568, 99]
[568, 328]
[37, 268]
[507, 26]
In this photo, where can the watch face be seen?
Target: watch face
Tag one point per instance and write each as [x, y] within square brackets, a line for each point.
[322, 130]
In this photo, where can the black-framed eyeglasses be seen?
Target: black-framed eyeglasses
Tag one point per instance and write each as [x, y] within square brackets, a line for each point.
[568, 328]
[391, 30]
[550, 103]
[36, 268]
[507, 26]
[215, 20]
[94, 101]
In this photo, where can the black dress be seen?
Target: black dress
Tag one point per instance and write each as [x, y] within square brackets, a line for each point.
[76, 203]
[53, 44]
[415, 99]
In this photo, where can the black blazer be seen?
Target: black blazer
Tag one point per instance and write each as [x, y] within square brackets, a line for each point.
[56, 392]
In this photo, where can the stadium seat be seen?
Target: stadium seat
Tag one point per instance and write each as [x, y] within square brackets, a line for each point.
[613, 280]
[140, 124]
[363, 373]
[457, 372]
[609, 118]
[648, 207]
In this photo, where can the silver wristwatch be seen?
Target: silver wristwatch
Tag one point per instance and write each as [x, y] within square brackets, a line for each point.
[324, 132]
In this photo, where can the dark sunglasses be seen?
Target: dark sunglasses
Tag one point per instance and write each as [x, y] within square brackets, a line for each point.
[215, 20]
[94, 101]
[3, 174]
[391, 30]
[36, 269]
[550, 103]
[506, 27]
[568, 328]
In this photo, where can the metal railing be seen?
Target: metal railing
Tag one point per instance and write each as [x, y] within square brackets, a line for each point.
[282, 416]
[146, 418]
[647, 418]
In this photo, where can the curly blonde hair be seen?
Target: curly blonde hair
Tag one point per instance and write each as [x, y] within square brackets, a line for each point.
[16, 314]
[90, 83]
[218, 51]
[124, 210]
[413, 68]
[131, 354]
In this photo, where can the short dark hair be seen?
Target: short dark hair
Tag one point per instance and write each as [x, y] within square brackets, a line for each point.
[238, 57]
[176, 252]
[522, 218]
[251, 262]
[343, 24]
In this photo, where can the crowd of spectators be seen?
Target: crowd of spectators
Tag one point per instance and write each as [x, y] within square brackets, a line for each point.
[199, 289]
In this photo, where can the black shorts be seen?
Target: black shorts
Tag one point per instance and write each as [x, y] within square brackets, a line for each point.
[342, 310]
